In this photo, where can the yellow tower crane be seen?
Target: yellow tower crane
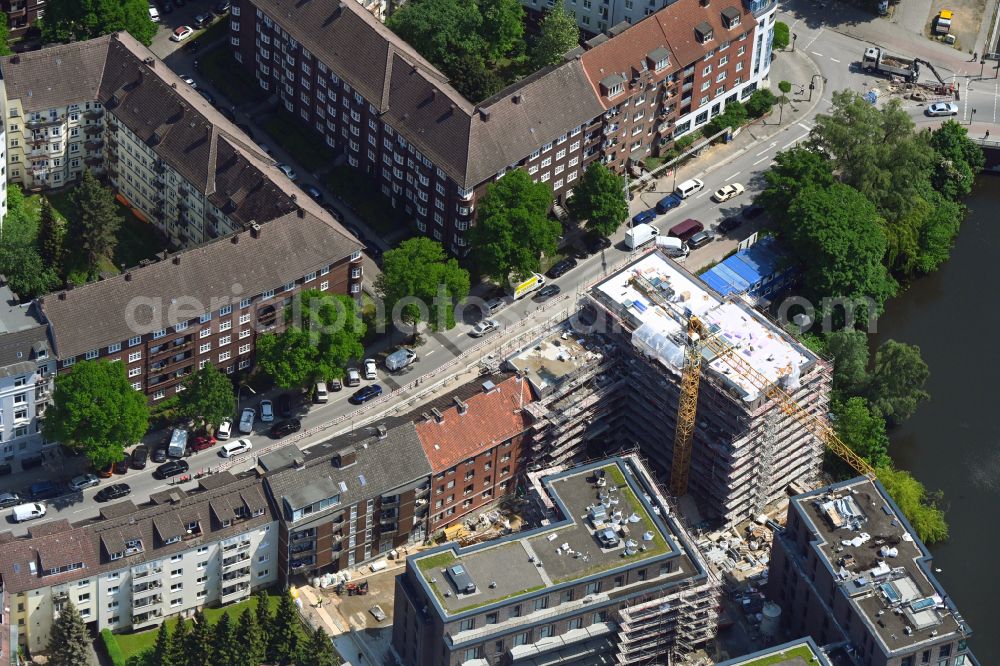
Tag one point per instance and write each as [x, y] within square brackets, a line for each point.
[699, 337]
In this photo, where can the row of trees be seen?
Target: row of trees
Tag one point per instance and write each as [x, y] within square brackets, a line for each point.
[480, 44]
[75, 20]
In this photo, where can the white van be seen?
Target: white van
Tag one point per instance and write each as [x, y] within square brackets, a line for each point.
[689, 187]
[154, 14]
[23, 512]
[670, 246]
[235, 448]
[639, 235]
[321, 395]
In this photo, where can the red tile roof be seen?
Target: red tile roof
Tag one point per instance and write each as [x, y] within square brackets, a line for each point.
[491, 418]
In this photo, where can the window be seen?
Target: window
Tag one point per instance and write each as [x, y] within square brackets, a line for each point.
[205, 332]
[93, 353]
[135, 356]
[541, 603]
[117, 347]
[546, 632]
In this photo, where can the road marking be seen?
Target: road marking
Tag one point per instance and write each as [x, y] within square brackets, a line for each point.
[793, 141]
[996, 90]
[815, 38]
[763, 159]
[834, 59]
[766, 149]
[734, 175]
[430, 352]
[804, 126]
[699, 196]
[816, 53]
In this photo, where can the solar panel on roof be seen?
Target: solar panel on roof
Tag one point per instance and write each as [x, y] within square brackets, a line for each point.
[361, 478]
[343, 486]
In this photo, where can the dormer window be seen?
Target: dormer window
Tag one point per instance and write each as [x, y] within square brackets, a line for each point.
[658, 59]
[613, 85]
[703, 32]
[730, 17]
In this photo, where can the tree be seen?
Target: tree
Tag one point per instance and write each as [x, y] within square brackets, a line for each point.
[513, 228]
[252, 639]
[785, 87]
[262, 613]
[862, 430]
[96, 411]
[227, 648]
[959, 159]
[318, 651]
[93, 227]
[4, 35]
[288, 358]
[69, 643]
[70, 20]
[26, 273]
[600, 199]
[200, 641]
[179, 644]
[897, 382]
[283, 635]
[760, 102]
[849, 349]
[471, 77]
[441, 30]
[734, 116]
[557, 34]
[841, 234]
[162, 652]
[502, 27]
[793, 170]
[51, 237]
[782, 36]
[420, 272]
[207, 397]
[919, 508]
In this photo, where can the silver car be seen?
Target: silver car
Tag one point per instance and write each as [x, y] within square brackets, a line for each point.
[484, 327]
[83, 481]
[942, 109]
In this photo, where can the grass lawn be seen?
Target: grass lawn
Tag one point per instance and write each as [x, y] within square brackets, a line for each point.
[138, 642]
[305, 146]
[365, 198]
[228, 76]
[805, 653]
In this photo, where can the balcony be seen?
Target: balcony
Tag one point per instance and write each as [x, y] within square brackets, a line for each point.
[93, 161]
[45, 122]
[140, 620]
[243, 544]
[236, 560]
[302, 547]
[139, 574]
[171, 364]
[239, 574]
[139, 588]
[170, 348]
[94, 144]
[609, 129]
[147, 601]
[235, 591]
[93, 128]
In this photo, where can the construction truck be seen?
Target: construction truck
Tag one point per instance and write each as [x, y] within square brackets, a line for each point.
[942, 22]
[518, 287]
[877, 60]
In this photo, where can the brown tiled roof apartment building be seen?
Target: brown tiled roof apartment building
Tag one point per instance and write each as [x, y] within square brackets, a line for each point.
[620, 97]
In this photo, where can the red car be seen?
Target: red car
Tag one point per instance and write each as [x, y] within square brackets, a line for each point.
[202, 442]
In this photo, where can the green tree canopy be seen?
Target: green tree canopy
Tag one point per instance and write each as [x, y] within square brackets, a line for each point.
[73, 20]
[200, 642]
[51, 237]
[421, 272]
[959, 159]
[4, 35]
[162, 653]
[513, 228]
[251, 637]
[441, 30]
[179, 644]
[502, 27]
[735, 116]
[782, 35]
[600, 199]
[228, 649]
[26, 273]
[920, 508]
[793, 170]
[283, 634]
[318, 650]
[849, 349]
[69, 642]
[862, 430]
[760, 102]
[473, 77]
[288, 358]
[207, 397]
[557, 34]
[96, 411]
[897, 381]
[93, 227]
[841, 233]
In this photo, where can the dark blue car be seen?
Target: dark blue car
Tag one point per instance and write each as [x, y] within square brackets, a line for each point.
[667, 203]
[46, 490]
[644, 217]
[365, 394]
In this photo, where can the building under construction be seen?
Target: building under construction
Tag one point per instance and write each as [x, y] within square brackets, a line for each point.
[681, 346]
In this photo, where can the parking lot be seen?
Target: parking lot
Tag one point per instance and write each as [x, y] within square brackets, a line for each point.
[181, 15]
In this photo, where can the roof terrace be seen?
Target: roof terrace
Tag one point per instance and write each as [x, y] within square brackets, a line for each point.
[802, 652]
[606, 521]
[878, 563]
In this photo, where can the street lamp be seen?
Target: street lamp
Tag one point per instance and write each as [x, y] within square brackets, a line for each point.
[812, 85]
[794, 37]
[972, 116]
[239, 393]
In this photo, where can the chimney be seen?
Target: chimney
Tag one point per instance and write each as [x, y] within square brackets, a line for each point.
[517, 98]
[301, 211]
[425, 416]
[484, 114]
[703, 3]
[489, 387]
[254, 230]
[236, 239]
[62, 295]
[438, 416]
[15, 59]
[462, 406]
[345, 457]
[177, 260]
[299, 461]
[381, 431]
[128, 277]
[434, 93]
[150, 61]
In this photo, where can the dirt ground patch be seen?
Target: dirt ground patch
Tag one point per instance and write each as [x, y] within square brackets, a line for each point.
[355, 611]
[966, 20]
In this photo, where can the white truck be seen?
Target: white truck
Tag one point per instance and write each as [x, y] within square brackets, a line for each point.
[672, 247]
[518, 288]
[178, 443]
[639, 235]
[875, 59]
[399, 359]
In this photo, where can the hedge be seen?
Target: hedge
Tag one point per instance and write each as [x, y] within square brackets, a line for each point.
[111, 647]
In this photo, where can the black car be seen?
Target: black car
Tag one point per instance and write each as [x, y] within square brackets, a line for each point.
[159, 454]
[246, 130]
[313, 192]
[139, 456]
[45, 490]
[285, 428]
[122, 465]
[546, 292]
[172, 468]
[285, 405]
[221, 7]
[28, 462]
[113, 492]
[578, 252]
[354, 230]
[333, 213]
[365, 393]
[729, 224]
[335, 385]
[753, 212]
[562, 267]
[207, 95]
[595, 244]
[227, 114]
[201, 20]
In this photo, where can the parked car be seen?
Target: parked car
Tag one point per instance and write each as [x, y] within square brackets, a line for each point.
[105, 472]
[942, 109]
[285, 405]
[247, 419]
[311, 190]
[235, 448]
[288, 171]
[121, 467]
[371, 369]
[225, 430]
[207, 95]
[494, 305]
[5, 469]
[285, 428]
[377, 613]
[45, 490]
[154, 14]
[83, 482]
[727, 192]
[484, 327]
[202, 442]
[336, 385]
[23, 512]
[221, 7]
[181, 33]
[169, 469]
[140, 455]
[266, 411]
[353, 377]
[113, 492]
[645, 217]
[30, 462]
[595, 243]
[9, 499]
[729, 224]
[546, 292]
[667, 203]
[561, 268]
[578, 252]
[699, 239]
[365, 394]
[188, 80]
[201, 20]
[752, 212]
[159, 454]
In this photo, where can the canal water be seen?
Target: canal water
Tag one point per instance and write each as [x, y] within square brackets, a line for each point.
[952, 443]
